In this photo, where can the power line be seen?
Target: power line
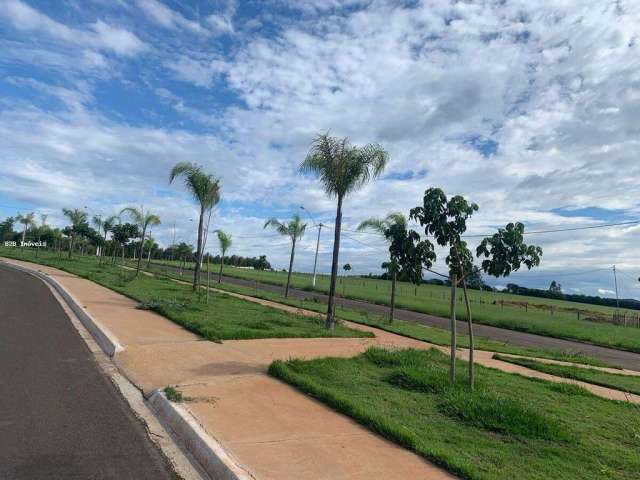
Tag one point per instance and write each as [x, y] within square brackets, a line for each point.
[572, 229]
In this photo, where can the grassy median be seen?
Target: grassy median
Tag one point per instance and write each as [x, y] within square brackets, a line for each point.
[510, 427]
[625, 383]
[222, 318]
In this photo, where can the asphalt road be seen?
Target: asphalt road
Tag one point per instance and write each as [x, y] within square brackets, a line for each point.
[612, 356]
[60, 417]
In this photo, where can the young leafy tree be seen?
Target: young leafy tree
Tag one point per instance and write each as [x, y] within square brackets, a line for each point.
[144, 220]
[224, 241]
[151, 245]
[6, 229]
[294, 230]
[205, 189]
[342, 169]
[383, 227]
[503, 253]
[123, 233]
[78, 220]
[446, 220]
[28, 221]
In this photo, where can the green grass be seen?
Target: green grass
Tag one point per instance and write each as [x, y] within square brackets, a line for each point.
[514, 312]
[510, 427]
[223, 318]
[173, 394]
[626, 383]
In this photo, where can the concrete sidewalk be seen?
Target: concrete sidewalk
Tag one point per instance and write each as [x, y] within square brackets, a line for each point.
[271, 429]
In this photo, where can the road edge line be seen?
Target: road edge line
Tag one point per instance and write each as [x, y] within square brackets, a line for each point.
[209, 453]
[103, 337]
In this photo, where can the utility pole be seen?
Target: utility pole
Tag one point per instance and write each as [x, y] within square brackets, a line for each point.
[315, 261]
[615, 280]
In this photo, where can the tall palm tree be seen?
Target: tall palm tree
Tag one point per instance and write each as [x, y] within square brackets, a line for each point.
[144, 220]
[205, 189]
[343, 169]
[384, 226]
[78, 218]
[225, 243]
[294, 230]
[28, 220]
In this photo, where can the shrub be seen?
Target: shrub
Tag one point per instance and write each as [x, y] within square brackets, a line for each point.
[173, 394]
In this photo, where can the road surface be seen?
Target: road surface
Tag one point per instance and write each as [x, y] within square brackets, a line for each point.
[60, 417]
[612, 356]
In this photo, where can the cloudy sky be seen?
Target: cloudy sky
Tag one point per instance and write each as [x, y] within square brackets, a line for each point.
[529, 108]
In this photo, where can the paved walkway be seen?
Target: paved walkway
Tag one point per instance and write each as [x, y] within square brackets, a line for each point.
[60, 417]
[270, 428]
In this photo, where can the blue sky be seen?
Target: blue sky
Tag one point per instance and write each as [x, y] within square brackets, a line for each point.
[528, 108]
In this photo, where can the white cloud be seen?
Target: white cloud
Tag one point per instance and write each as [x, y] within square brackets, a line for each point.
[100, 35]
[169, 18]
[604, 291]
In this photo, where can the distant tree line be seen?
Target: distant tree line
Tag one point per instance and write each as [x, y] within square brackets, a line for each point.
[555, 292]
[474, 279]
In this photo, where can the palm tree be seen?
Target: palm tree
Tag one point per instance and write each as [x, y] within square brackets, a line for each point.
[225, 242]
[78, 218]
[144, 221]
[294, 230]
[28, 220]
[205, 189]
[343, 169]
[384, 227]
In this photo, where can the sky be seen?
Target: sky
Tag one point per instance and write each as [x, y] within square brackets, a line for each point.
[529, 108]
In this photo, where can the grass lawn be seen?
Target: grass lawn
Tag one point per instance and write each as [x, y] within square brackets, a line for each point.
[626, 383]
[511, 427]
[223, 318]
[549, 317]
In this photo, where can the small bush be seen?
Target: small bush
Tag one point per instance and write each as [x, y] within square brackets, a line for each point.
[173, 394]
[499, 414]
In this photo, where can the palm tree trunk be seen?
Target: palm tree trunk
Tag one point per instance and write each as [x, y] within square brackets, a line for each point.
[149, 259]
[329, 322]
[141, 253]
[452, 367]
[471, 345]
[221, 265]
[393, 295]
[24, 233]
[71, 245]
[196, 273]
[293, 252]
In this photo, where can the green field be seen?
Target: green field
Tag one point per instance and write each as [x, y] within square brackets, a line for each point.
[553, 318]
[625, 383]
[511, 427]
[223, 318]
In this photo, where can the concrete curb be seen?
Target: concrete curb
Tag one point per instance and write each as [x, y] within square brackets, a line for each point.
[213, 458]
[103, 337]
